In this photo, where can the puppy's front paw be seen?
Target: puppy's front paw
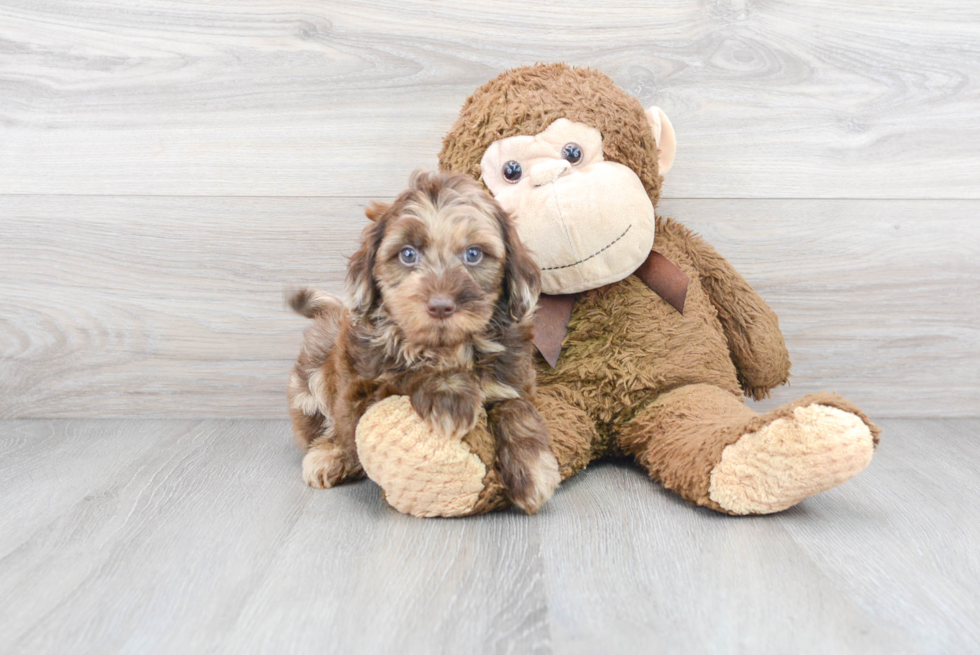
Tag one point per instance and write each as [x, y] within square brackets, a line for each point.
[453, 413]
[326, 466]
[530, 474]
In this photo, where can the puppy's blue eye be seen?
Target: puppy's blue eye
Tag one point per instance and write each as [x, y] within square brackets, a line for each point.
[408, 256]
[512, 171]
[473, 256]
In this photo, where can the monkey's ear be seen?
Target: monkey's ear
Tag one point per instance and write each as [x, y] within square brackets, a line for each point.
[663, 132]
[376, 210]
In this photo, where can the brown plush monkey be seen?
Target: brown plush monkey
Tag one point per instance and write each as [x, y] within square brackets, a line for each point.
[649, 338]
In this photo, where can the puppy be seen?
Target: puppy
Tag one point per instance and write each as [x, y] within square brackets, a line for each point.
[441, 300]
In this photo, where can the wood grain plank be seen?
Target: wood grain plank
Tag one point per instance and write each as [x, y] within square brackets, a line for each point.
[212, 543]
[161, 303]
[131, 567]
[777, 99]
[199, 536]
[157, 307]
[633, 568]
[140, 566]
[48, 468]
[879, 301]
[884, 563]
[357, 577]
[901, 538]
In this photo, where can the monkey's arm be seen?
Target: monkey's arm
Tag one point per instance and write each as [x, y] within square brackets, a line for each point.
[751, 327]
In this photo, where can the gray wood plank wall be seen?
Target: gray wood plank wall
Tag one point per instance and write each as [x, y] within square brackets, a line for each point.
[167, 169]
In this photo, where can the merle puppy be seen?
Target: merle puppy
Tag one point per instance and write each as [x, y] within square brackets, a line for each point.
[441, 299]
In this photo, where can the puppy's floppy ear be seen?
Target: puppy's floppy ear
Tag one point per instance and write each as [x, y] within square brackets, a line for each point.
[522, 276]
[376, 210]
[360, 271]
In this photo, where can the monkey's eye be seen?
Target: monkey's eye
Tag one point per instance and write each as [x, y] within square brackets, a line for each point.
[512, 171]
[572, 152]
[408, 256]
[473, 256]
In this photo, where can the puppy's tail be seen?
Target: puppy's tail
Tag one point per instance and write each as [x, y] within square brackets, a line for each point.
[312, 303]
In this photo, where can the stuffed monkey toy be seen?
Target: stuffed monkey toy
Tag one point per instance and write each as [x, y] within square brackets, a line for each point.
[648, 339]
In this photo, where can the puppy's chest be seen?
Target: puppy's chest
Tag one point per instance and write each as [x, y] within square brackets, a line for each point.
[460, 370]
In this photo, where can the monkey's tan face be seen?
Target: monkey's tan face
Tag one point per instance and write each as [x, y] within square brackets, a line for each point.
[588, 221]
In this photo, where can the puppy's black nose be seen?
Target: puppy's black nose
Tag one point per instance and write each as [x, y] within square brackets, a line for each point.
[441, 306]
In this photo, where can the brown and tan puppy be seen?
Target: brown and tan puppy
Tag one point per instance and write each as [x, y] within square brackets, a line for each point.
[442, 296]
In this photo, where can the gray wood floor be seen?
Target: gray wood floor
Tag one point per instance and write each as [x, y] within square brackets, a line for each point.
[181, 536]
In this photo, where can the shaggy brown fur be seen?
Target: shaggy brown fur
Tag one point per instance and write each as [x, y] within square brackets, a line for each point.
[442, 295]
[524, 101]
[635, 376]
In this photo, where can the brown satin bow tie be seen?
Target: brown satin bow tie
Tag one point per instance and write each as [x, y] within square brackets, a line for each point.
[551, 321]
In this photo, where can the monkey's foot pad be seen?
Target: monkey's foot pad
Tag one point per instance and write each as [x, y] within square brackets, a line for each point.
[794, 457]
[421, 471]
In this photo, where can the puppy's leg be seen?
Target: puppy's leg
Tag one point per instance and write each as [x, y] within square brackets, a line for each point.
[527, 465]
[308, 410]
[328, 463]
[449, 403]
[315, 374]
[327, 434]
[314, 386]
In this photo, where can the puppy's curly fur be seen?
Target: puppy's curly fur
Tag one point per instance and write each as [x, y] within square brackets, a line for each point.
[441, 299]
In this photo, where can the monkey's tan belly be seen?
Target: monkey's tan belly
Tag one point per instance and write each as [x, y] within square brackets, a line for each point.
[648, 349]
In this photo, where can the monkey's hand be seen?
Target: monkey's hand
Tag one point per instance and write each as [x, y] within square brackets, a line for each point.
[751, 327]
[425, 472]
[527, 465]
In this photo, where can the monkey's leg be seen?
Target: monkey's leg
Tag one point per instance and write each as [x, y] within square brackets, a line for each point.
[574, 437]
[705, 444]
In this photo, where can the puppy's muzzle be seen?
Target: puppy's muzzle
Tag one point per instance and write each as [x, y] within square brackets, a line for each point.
[440, 306]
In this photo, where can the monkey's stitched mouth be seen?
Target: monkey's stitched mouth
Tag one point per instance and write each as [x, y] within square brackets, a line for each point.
[597, 252]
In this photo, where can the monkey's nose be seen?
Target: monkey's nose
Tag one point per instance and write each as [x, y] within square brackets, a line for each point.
[441, 306]
[548, 171]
